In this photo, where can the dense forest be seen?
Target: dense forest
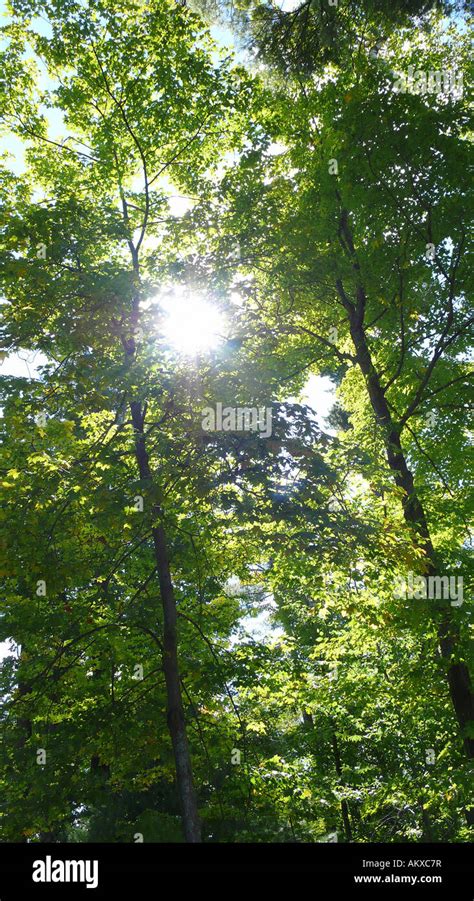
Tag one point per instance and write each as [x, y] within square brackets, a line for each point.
[227, 614]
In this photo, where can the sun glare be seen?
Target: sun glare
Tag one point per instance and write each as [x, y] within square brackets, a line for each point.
[191, 324]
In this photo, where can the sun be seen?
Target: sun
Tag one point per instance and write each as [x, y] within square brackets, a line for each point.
[191, 324]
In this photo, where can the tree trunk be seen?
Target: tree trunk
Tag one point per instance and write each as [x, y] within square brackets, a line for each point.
[459, 681]
[175, 713]
[427, 829]
[344, 805]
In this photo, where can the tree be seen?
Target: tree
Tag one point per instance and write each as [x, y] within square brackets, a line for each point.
[84, 298]
[371, 243]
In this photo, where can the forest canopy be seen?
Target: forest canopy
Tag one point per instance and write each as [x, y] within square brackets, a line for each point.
[229, 615]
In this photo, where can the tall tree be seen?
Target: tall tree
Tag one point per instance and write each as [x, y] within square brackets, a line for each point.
[132, 116]
[367, 270]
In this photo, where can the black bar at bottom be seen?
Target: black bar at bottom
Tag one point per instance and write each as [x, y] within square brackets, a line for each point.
[58, 871]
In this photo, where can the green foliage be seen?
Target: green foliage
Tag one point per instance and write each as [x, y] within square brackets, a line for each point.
[322, 723]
